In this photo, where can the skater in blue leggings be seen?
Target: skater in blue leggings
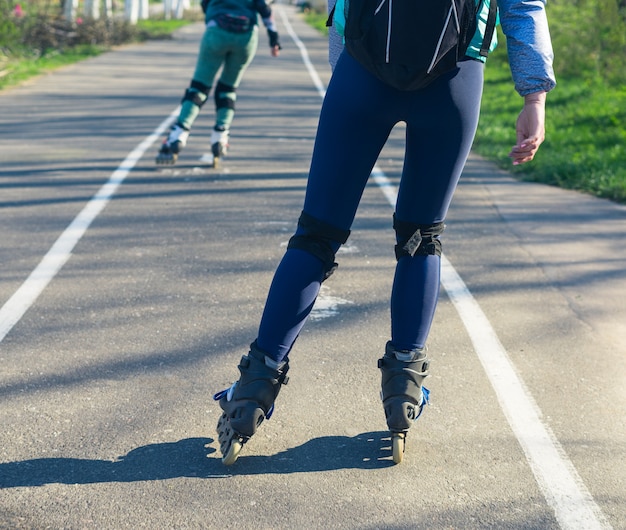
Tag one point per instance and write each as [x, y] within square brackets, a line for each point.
[358, 114]
[441, 120]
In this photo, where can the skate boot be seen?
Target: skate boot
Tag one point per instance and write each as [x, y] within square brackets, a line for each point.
[219, 144]
[402, 392]
[172, 145]
[248, 401]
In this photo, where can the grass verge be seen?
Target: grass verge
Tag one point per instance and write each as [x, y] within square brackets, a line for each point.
[585, 147]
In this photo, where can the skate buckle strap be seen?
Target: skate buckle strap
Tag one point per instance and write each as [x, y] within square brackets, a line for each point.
[228, 392]
[219, 395]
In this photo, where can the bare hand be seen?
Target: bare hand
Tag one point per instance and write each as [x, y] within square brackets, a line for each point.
[530, 128]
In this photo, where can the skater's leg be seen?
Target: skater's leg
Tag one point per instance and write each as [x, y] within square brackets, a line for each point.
[236, 61]
[440, 132]
[353, 128]
[225, 99]
[309, 260]
[347, 145]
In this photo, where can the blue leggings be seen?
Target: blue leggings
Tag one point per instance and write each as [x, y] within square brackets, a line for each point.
[357, 116]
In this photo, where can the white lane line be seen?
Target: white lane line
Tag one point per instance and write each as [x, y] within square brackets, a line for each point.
[559, 481]
[305, 54]
[562, 487]
[15, 307]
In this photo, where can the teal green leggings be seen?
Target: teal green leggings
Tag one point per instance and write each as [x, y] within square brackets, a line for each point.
[232, 52]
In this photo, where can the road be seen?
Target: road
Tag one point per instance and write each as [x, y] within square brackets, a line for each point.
[129, 292]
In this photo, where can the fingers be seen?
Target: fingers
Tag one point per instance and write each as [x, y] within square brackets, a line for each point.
[524, 151]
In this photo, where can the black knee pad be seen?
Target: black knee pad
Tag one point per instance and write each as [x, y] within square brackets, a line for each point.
[197, 93]
[224, 96]
[416, 239]
[317, 239]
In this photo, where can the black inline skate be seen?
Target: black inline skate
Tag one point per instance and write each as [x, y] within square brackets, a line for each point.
[402, 392]
[248, 401]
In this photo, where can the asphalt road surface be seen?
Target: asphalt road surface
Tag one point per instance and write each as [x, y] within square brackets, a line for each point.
[128, 293]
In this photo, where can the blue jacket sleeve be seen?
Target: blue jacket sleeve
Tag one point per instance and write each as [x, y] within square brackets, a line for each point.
[525, 24]
[335, 32]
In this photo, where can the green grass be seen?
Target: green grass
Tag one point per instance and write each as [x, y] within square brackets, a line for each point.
[317, 21]
[585, 147]
[18, 69]
[156, 28]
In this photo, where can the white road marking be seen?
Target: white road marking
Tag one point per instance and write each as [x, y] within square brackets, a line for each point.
[558, 480]
[303, 51]
[326, 305]
[15, 307]
[556, 476]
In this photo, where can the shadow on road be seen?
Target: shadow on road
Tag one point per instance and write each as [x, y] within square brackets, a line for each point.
[370, 450]
[194, 457]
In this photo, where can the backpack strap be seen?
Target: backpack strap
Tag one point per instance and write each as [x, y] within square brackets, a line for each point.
[489, 28]
[329, 20]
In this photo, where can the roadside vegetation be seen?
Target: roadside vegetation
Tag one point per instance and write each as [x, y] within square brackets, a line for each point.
[585, 148]
[36, 38]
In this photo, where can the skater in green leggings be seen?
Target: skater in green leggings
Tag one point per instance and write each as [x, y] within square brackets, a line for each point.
[229, 42]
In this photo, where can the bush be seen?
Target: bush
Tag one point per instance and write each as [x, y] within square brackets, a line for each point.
[9, 30]
[48, 31]
[37, 28]
[35, 37]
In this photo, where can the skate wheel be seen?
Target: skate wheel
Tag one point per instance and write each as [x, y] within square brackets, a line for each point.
[397, 446]
[166, 160]
[230, 441]
[233, 452]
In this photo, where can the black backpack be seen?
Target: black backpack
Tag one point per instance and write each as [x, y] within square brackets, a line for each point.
[409, 43]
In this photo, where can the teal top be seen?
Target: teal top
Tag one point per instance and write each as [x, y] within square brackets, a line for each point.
[474, 47]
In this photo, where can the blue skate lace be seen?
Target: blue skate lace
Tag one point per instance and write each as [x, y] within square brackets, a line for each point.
[219, 395]
[425, 401]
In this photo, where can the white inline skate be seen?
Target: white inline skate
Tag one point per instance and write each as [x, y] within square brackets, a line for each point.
[219, 144]
[172, 145]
